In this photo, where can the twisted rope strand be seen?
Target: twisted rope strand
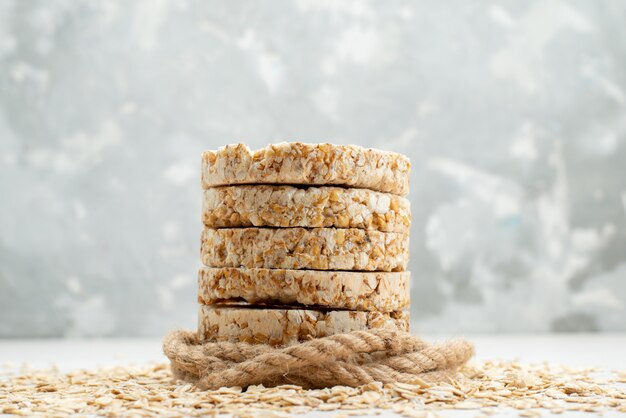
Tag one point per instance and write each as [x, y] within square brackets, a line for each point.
[192, 355]
[350, 359]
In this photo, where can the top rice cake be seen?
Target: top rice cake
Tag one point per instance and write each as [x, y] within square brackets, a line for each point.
[307, 164]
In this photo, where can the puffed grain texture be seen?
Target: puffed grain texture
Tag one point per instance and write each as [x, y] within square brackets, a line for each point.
[310, 207]
[309, 164]
[301, 248]
[360, 291]
[285, 326]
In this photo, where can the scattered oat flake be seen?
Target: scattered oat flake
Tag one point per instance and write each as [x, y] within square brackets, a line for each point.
[485, 387]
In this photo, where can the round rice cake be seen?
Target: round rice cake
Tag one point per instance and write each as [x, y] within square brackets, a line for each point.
[302, 248]
[360, 291]
[307, 164]
[281, 326]
[309, 207]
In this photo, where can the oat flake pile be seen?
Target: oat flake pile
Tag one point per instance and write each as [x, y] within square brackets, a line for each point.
[486, 388]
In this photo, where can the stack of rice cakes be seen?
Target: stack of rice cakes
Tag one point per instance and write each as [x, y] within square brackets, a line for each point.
[302, 241]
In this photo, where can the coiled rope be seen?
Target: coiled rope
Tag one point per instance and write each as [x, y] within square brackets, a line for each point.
[350, 359]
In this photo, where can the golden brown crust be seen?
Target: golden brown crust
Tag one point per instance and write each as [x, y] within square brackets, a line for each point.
[361, 291]
[311, 207]
[307, 164]
[301, 248]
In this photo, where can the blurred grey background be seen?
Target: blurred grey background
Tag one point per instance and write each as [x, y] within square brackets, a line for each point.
[513, 114]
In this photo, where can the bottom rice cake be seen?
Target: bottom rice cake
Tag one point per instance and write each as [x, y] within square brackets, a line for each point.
[284, 325]
[360, 291]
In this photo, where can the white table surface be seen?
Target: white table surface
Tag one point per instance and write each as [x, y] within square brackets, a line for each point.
[578, 350]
